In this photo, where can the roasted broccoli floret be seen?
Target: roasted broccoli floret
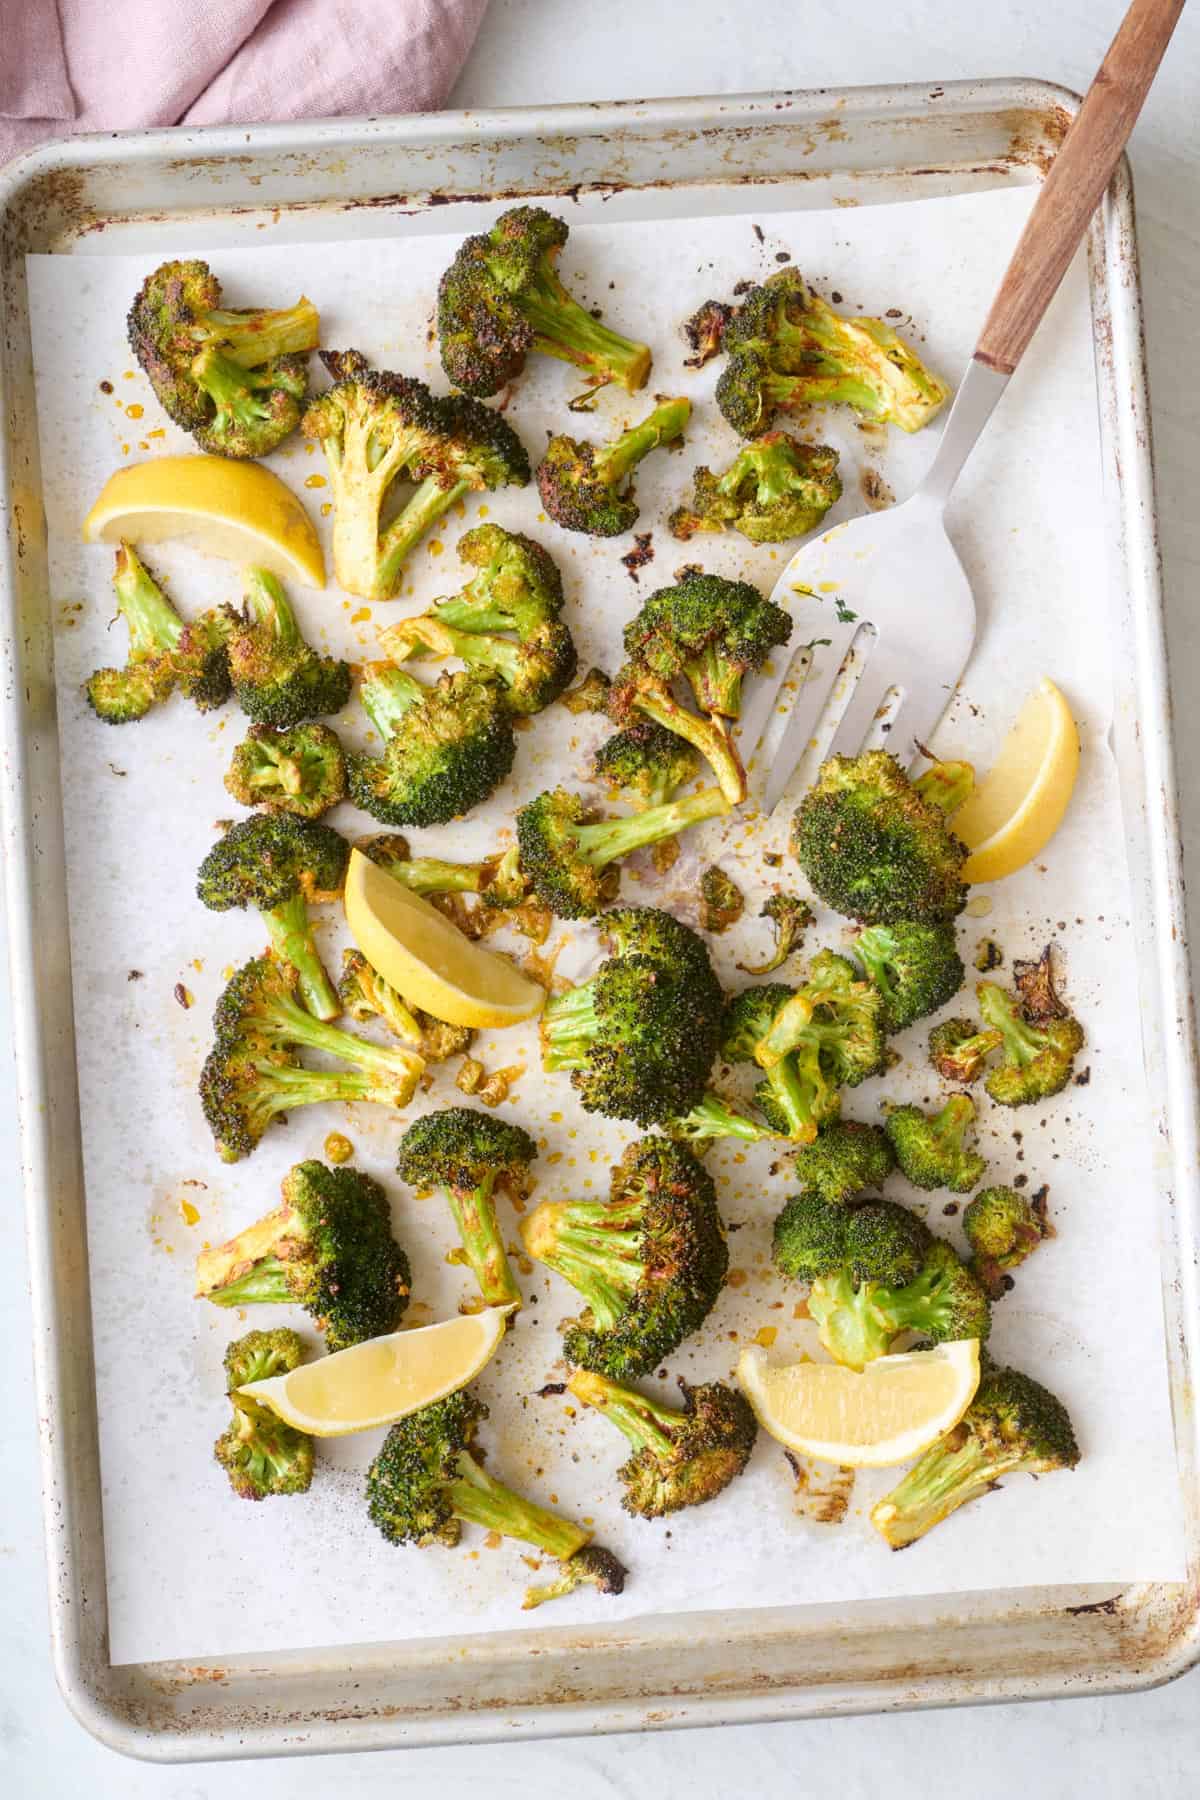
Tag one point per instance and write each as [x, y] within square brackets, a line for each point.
[503, 888]
[844, 1161]
[932, 1150]
[639, 1038]
[645, 763]
[1013, 1425]
[1003, 1228]
[425, 1483]
[259, 1453]
[301, 771]
[916, 968]
[379, 428]
[236, 379]
[959, 1050]
[705, 331]
[773, 490]
[638, 693]
[164, 653]
[875, 1271]
[649, 1261]
[568, 856]
[534, 669]
[791, 916]
[365, 995]
[787, 350]
[593, 1566]
[1040, 1037]
[277, 679]
[589, 487]
[722, 901]
[501, 297]
[328, 1248]
[518, 586]
[876, 848]
[714, 1117]
[847, 1020]
[680, 1457]
[253, 1073]
[278, 864]
[797, 1093]
[710, 630]
[469, 1158]
[446, 748]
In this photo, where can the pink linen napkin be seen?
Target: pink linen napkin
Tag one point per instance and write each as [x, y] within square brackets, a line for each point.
[115, 65]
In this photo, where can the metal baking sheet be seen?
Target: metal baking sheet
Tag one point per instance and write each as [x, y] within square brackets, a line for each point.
[717, 1693]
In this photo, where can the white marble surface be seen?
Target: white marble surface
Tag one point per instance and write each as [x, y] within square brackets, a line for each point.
[530, 52]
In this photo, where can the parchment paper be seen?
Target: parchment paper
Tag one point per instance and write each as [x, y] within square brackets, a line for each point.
[192, 1571]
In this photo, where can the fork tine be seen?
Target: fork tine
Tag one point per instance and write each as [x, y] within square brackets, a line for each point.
[916, 720]
[859, 716]
[805, 716]
[768, 695]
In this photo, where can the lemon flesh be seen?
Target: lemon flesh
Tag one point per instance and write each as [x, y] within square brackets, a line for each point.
[1021, 801]
[415, 947]
[891, 1411]
[239, 510]
[384, 1379]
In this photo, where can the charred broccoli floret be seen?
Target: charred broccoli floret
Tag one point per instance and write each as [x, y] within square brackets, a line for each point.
[639, 1038]
[589, 487]
[259, 1453]
[253, 1073]
[425, 1483]
[875, 847]
[1003, 1228]
[705, 332]
[722, 901]
[518, 586]
[377, 428]
[301, 771]
[236, 379]
[875, 1271]
[649, 1261]
[1040, 1037]
[845, 1160]
[797, 1094]
[164, 653]
[328, 1248]
[593, 1566]
[787, 349]
[791, 916]
[932, 1150]
[569, 856]
[1013, 1426]
[277, 678]
[278, 864]
[638, 693]
[533, 670]
[469, 1158]
[501, 297]
[959, 1050]
[773, 490]
[681, 1457]
[710, 630]
[916, 968]
[446, 748]
[365, 995]
[645, 763]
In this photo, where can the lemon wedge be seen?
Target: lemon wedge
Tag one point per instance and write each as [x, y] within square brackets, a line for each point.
[384, 1379]
[1020, 803]
[235, 509]
[415, 947]
[893, 1410]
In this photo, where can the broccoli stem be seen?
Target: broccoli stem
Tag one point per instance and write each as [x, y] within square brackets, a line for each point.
[939, 1483]
[267, 605]
[947, 785]
[601, 1260]
[793, 1100]
[250, 338]
[386, 695]
[708, 736]
[647, 1427]
[716, 683]
[230, 388]
[849, 1326]
[479, 1500]
[565, 329]
[428, 503]
[282, 1087]
[265, 1284]
[292, 1024]
[712, 1118]
[474, 1211]
[611, 839]
[666, 423]
[569, 1022]
[1021, 1043]
[154, 625]
[484, 651]
[290, 931]
[430, 875]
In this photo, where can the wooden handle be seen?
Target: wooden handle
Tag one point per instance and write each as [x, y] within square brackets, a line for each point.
[1075, 185]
